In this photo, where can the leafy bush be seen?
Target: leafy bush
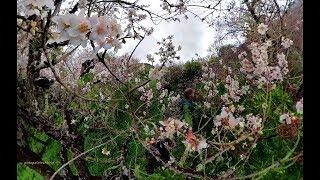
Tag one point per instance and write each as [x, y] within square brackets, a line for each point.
[192, 69]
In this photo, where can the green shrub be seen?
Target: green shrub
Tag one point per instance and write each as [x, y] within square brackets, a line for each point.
[192, 69]
[174, 77]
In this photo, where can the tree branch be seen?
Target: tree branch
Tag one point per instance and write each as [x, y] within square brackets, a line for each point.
[104, 63]
[35, 162]
[39, 122]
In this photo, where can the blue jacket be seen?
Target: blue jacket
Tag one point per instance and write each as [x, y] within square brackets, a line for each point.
[187, 102]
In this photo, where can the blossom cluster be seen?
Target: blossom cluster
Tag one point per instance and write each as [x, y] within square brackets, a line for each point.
[178, 7]
[147, 94]
[167, 52]
[104, 31]
[234, 91]
[37, 7]
[259, 68]
[210, 88]
[286, 43]
[194, 143]
[172, 127]
[299, 106]
[227, 118]
[255, 122]
[173, 103]
[289, 119]
[262, 28]
[134, 16]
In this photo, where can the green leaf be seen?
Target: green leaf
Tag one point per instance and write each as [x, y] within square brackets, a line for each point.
[199, 167]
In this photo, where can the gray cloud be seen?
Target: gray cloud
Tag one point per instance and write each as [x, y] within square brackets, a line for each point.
[193, 36]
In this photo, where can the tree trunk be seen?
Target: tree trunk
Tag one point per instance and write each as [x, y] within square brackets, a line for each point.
[35, 162]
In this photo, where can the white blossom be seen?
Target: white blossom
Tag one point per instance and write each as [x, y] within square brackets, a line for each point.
[207, 105]
[158, 85]
[79, 27]
[254, 121]
[262, 29]
[285, 118]
[105, 151]
[202, 144]
[286, 43]
[299, 106]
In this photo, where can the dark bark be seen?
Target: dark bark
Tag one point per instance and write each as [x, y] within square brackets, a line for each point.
[78, 146]
[33, 161]
[160, 150]
[299, 94]
[80, 163]
[74, 9]
[69, 115]
[252, 12]
[57, 1]
[64, 149]
[39, 122]
[86, 66]
[76, 142]
[56, 45]
[64, 159]
[254, 15]
[34, 56]
[43, 82]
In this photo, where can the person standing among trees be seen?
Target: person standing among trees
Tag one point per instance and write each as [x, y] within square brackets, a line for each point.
[188, 100]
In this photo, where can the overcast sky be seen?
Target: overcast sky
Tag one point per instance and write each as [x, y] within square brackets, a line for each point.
[192, 35]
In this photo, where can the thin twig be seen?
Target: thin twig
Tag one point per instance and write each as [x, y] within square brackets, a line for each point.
[242, 138]
[73, 159]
